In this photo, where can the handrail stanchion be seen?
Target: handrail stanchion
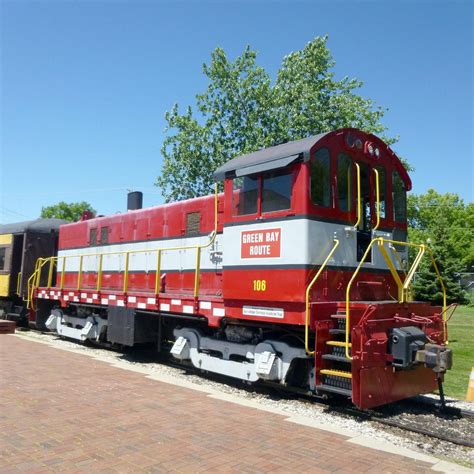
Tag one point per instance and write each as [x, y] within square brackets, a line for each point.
[125, 273]
[158, 272]
[50, 272]
[79, 275]
[63, 269]
[412, 271]
[377, 199]
[99, 273]
[391, 267]
[308, 290]
[197, 272]
[359, 204]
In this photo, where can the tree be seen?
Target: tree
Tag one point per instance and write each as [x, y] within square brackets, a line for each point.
[242, 111]
[71, 212]
[446, 223]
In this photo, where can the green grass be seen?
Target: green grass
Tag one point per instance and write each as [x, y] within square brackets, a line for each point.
[461, 341]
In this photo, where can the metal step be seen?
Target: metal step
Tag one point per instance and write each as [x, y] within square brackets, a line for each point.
[336, 373]
[338, 390]
[337, 332]
[339, 344]
[337, 358]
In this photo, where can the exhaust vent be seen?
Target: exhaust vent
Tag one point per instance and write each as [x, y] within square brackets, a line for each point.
[134, 200]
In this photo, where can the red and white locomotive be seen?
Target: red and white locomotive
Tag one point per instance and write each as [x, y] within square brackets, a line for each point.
[295, 274]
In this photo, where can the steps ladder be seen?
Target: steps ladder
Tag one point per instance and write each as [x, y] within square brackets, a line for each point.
[337, 373]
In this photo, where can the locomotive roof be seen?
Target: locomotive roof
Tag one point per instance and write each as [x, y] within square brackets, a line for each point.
[274, 157]
[36, 225]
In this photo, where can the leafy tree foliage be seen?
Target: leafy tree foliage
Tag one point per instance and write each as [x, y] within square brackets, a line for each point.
[446, 223]
[242, 111]
[71, 212]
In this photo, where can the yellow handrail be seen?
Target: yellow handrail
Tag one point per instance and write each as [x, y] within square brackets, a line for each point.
[377, 199]
[308, 289]
[18, 280]
[33, 282]
[403, 287]
[359, 204]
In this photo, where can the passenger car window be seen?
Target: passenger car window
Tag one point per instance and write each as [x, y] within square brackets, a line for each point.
[399, 197]
[244, 195]
[3, 252]
[276, 190]
[320, 178]
[344, 182]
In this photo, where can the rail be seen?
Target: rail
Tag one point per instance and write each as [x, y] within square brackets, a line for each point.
[403, 287]
[308, 290]
[35, 278]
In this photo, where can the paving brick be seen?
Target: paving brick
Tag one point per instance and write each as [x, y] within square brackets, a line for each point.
[61, 411]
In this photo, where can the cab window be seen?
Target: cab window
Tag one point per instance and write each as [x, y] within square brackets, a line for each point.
[276, 190]
[344, 181]
[399, 198]
[320, 178]
[244, 195]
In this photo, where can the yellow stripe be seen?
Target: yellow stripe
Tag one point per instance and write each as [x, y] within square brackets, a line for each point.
[6, 239]
[336, 373]
[4, 285]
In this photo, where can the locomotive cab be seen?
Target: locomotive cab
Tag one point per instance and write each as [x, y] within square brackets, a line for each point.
[285, 205]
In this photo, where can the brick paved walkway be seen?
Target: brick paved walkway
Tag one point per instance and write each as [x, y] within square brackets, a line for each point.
[62, 411]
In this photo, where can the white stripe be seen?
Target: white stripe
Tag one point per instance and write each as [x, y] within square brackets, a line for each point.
[132, 299]
[66, 298]
[176, 302]
[151, 300]
[120, 303]
[89, 300]
[112, 297]
[95, 296]
[205, 305]
[71, 293]
[188, 309]
[76, 298]
[164, 307]
[218, 312]
[83, 295]
[104, 301]
[143, 261]
[141, 305]
[51, 293]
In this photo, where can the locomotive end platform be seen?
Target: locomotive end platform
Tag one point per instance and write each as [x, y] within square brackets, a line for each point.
[73, 414]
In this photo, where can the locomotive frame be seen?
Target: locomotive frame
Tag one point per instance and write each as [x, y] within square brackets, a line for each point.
[294, 274]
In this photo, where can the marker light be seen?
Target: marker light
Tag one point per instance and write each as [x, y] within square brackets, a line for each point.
[358, 143]
[377, 153]
[370, 149]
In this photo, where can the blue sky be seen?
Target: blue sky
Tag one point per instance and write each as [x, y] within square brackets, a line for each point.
[85, 85]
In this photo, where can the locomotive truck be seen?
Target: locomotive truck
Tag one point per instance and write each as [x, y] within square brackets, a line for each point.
[296, 274]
